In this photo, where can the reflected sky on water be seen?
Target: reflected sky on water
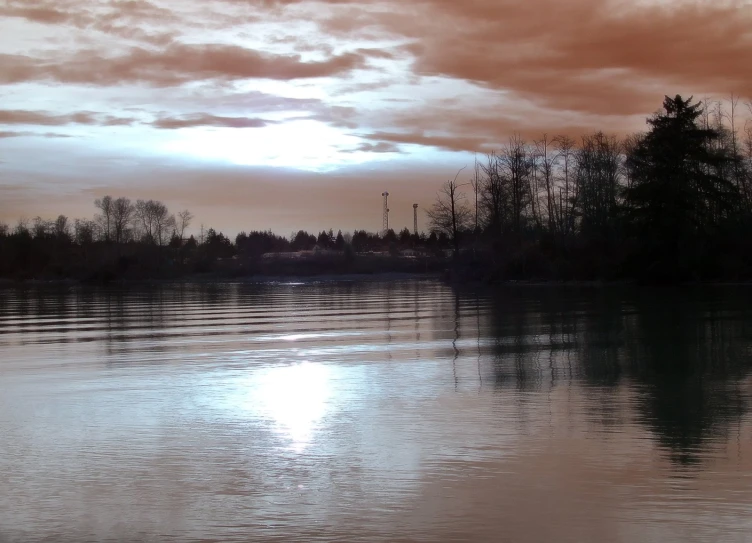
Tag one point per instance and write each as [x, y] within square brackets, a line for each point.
[374, 411]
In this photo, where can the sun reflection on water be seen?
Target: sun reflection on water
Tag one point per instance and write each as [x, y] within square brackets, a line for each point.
[295, 398]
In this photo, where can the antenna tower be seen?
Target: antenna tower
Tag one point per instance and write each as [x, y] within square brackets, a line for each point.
[415, 219]
[386, 212]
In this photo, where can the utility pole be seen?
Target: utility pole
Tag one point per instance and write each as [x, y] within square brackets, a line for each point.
[415, 219]
[386, 212]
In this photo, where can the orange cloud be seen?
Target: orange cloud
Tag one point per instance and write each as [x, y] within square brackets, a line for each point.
[594, 56]
[173, 65]
[44, 15]
[589, 55]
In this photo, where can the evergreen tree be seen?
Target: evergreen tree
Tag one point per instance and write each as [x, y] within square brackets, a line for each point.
[676, 199]
[323, 241]
[339, 243]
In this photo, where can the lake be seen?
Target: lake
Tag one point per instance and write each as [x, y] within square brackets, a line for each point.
[375, 411]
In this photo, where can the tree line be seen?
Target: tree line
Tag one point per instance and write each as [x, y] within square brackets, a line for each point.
[673, 203]
[143, 239]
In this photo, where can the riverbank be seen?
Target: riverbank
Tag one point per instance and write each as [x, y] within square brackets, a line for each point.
[467, 270]
[210, 278]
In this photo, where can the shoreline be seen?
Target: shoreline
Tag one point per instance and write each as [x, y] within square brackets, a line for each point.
[209, 279]
[355, 278]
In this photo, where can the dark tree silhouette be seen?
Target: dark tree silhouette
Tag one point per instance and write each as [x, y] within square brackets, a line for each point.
[598, 163]
[105, 219]
[450, 213]
[390, 236]
[303, 241]
[324, 241]
[217, 245]
[676, 198]
[153, 220]
[182, 222]
[339, 242]
[122, 215]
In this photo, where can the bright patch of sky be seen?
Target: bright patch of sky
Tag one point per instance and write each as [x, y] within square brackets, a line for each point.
[301, 144]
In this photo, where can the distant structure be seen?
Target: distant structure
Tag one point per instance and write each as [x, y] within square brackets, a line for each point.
[386, 211]
[415, 219]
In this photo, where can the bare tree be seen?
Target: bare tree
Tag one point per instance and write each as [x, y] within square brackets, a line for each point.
[154, 220]
[493, 196]
[599, 165]
[4, 229]
[476, 184]
[165, 226]
[22, 227]
[450, 213]
[565, 147]
[738, 180]
[517, 166]
[142, 221]
[85, 231]
[534, 187]
[747, 173]
[547, 162]
[724, 144]
[62, 227]
[122, 215]
[509, 188]
[183, 222]
[105, 219]
[41, 227]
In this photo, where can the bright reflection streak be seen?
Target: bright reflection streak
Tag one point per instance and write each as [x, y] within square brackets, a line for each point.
[295, 397]
[296, 337]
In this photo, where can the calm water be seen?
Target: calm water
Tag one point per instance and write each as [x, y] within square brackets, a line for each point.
[375, 412]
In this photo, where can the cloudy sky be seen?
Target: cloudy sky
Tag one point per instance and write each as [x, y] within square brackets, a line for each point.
[289, 114]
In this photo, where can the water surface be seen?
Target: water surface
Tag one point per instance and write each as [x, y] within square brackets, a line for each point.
[375, 411]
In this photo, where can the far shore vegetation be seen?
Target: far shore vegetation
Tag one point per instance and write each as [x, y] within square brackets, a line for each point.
[670, 205]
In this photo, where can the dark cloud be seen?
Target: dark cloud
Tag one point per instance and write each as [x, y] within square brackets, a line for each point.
[22, 134]
[448, 143]
[205, 119]
[46, 118]
[379, 147]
